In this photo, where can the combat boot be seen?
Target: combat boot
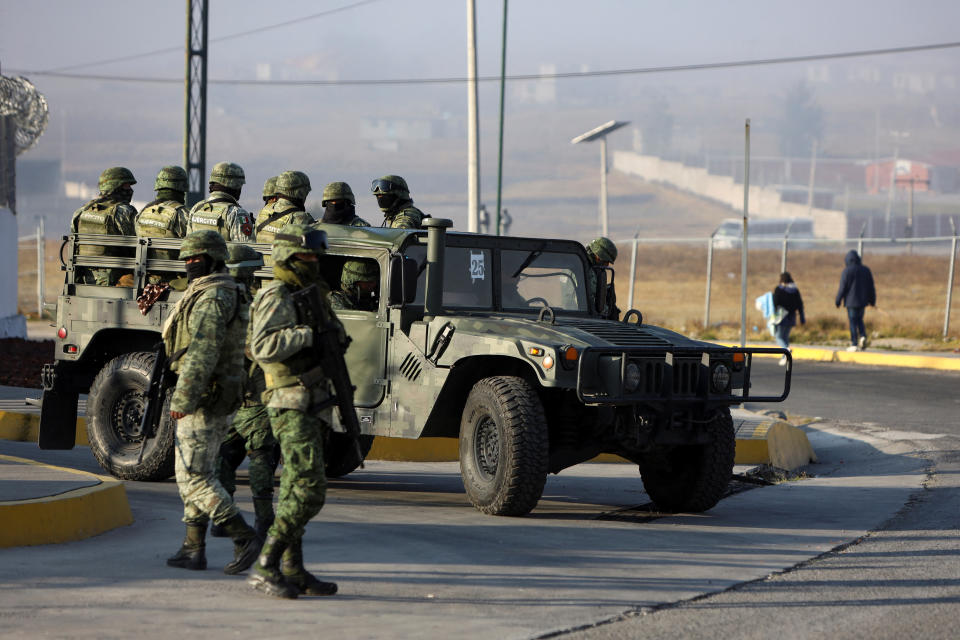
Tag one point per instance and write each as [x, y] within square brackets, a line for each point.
[192, 554]
[246, 544]
[263, 508]
[266, 576]
[291, 566]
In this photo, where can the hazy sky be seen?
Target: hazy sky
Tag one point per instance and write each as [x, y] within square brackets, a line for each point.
[413, 38]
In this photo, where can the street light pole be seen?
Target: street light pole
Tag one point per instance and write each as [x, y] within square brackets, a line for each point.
[473, 127]
[600, 133]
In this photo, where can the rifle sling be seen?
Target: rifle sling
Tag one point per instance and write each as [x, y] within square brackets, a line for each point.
[276, 215]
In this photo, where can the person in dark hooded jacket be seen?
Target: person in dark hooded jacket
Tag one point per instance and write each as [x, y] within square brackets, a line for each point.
[856, 292]
[787, 297]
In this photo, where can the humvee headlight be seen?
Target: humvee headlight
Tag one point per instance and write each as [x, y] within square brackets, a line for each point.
[720, 378]
[631, 377]
[548, 362]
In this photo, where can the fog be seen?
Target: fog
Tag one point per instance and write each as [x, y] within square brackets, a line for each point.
[356, 133]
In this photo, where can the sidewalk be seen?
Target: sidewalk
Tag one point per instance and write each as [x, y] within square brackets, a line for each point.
[915, 359]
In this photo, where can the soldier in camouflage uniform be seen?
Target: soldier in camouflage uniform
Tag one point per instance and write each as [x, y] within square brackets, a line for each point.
[292, 189]
[204, 339]
[340, 207]
[281, 339]
[393, 198]
[221, 212]
[603, 252]
[165, 217]
[110, 213]
[250, 432]
[359, 283]
[270, 191]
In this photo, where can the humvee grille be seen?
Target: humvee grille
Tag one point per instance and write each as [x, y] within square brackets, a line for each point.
[686, 376]
[411, 367]
[617, 333]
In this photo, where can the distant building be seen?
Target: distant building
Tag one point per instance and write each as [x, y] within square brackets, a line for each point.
[879, 175]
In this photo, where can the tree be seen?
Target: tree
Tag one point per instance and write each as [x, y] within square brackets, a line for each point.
[802, 121]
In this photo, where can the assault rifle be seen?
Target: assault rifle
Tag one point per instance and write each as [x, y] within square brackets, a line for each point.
[156, 389]
[329, 352]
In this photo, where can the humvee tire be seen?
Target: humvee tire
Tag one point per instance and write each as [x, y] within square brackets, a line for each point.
[503, 446]
[340, 456]
[114, 409]
[693, 477]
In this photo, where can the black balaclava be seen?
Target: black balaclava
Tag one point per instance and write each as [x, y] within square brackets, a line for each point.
[123, 194]
[199, 269]
[171, 194]
[387, 201]
[339, 212]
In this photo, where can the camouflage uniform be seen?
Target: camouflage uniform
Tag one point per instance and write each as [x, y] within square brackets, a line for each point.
[349, 296]
[250, 432]
[110, 213]
[398, 209]
[291, 190]
[281, 342]
[340, 206]
[165, 217]
[204, 337]
[221, 212]
[602, 250]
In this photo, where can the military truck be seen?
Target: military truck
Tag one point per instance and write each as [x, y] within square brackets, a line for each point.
[492, 340]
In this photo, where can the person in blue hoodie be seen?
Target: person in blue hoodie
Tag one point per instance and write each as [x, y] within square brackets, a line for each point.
[856, 292]
[787, 297]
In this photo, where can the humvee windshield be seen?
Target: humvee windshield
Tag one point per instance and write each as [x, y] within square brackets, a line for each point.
[547, 279]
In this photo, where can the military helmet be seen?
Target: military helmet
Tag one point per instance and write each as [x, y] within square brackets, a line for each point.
[171, 177]
[298, 238]
[337, 191]
[228, 174]
[391, 184]
[244, 260]
[355, 271]
[294, 184]
[270, 187]
[603, 249]
[115, 177]
[207, 242]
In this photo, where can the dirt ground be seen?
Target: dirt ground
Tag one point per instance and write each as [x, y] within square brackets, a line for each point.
[22, 360]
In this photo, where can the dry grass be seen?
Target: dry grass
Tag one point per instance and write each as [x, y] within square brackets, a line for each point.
[671, 288]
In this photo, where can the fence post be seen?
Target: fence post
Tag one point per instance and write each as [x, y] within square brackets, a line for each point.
[40, 269]
[863, 228]
[783, 254]
[953, 259]
[633, 270]
[706, 306]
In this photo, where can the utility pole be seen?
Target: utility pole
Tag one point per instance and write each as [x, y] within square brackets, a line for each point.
[813, 177]
[908, 232]
[195, 101]
[473, 127]
[503, 77]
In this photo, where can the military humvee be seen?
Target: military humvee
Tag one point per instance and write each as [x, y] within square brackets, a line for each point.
[491, 340]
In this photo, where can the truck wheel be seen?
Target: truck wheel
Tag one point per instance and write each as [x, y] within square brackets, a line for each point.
[114, 409]
[692, 478]
[503, 446]
[340, 455]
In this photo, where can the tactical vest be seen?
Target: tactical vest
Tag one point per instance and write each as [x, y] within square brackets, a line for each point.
[206, 215]
[157, 220]
[97, 216]
[286, 372]
[273, 217]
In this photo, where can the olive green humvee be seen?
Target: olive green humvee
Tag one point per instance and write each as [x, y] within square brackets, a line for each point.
[492, 340]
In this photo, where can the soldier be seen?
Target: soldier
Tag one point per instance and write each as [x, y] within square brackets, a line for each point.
[393, 198]
[221, 212]
[110, 213]
[281, 339]
[165, 217]
[292, 190]
[250, 432]
[204, 338]
[270, 191]
[359, 282]
[603, 252]
[340, 207]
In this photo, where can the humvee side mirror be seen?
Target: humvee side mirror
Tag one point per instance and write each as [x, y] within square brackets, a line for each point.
[403, 280]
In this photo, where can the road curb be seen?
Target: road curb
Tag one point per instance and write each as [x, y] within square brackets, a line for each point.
[65, 517]
[876, 358]
[773, 442]
[25, 427]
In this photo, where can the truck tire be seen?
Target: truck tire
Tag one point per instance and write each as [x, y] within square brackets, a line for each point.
[692, 478]
[340, 455]
[114, 409]
[504, 446]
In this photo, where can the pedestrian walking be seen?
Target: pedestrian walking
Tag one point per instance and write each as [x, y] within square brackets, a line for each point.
[856, 292]
[787, 297]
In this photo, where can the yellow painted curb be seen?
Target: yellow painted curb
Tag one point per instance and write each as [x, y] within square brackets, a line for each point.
[776, 443]
[878, 358]
[73, 515]
[25, 427]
